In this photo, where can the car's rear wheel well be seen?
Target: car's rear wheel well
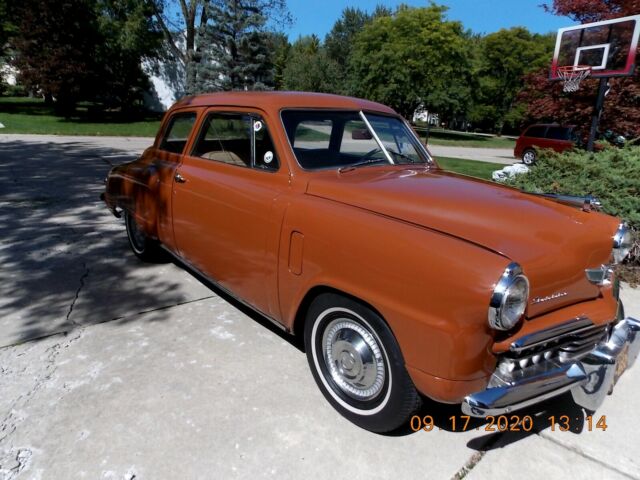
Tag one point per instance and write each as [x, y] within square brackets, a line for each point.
[315, 292]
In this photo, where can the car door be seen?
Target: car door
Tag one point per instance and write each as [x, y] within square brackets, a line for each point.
[226, 209]
[165, 158]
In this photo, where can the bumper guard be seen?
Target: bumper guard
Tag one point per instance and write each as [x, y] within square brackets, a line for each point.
[590, 379]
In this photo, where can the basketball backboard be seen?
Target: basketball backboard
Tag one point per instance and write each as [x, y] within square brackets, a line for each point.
[608, 47]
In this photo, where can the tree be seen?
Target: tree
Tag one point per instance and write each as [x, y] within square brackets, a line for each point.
[502, 60]
[339, 40]
[57, 49]
[586, 11]
[7, 29]
[280, 46]
[184, 29]
[310, 69]
[338, 43]
[128, 35]
[236, 54]
[74, 50]
[181, 30]
[545, 100]
[414, 57]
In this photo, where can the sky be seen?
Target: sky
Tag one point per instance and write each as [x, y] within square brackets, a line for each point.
[481, 16]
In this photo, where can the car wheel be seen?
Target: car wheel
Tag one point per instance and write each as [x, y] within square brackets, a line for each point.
[529, 157]
[357, 364]
[145, 248]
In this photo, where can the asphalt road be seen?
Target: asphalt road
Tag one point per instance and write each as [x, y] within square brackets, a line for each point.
[113, 369]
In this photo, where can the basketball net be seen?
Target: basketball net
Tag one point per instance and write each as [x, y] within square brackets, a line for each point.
[573, 75]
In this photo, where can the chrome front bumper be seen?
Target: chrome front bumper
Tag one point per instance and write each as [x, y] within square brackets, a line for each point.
[590, 379]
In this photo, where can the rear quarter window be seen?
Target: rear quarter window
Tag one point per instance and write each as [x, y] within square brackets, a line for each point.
[178, 131]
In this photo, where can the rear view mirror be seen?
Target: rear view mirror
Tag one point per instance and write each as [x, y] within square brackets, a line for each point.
[361, 134]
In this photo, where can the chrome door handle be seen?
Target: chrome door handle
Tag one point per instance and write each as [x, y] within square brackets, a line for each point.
[179, 178]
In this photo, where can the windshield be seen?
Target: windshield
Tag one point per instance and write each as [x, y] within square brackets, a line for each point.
[330, 139]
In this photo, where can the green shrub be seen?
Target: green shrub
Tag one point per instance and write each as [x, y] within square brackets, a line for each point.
[612, 175]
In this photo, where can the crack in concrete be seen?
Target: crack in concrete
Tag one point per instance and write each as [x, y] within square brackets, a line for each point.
[73, 303]
[470, 465]
[11, 421]
[584, 454]
[14, 463]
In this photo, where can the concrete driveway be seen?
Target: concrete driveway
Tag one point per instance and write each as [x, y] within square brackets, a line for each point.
[113, 369]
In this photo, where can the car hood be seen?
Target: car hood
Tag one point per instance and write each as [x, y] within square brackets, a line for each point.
[553, 243]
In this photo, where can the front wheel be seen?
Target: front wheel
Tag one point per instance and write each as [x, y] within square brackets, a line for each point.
[357, 364]
[529, 156]
[145, 248]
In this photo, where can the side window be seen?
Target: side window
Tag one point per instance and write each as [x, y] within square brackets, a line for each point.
[236, 139]
[313, 134]
[558, 133]
[178, 131]
[536, 132]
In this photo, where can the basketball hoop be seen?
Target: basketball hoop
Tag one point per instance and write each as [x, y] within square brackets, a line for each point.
[572, 75]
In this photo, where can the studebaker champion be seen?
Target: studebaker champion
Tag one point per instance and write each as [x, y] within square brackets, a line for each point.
[328, 216]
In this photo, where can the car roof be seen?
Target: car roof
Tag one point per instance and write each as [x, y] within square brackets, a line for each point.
[280, 100]
[550, 125]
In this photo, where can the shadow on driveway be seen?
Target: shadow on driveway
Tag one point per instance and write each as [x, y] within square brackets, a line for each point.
[65, 259]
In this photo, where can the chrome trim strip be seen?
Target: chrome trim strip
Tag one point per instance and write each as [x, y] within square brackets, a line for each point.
[586, 203]
[375, 136]
[540, 337]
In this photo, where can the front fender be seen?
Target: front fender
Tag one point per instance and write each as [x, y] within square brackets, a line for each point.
[432, 289]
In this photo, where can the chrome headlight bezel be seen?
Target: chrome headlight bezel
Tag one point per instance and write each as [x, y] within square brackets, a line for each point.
[622, 243]
[511, 278]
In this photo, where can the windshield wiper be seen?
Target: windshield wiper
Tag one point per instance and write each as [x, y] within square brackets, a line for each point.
[402, 155]
[353, 166]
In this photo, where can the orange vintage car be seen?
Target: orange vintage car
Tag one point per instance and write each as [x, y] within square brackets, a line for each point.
[328, 216]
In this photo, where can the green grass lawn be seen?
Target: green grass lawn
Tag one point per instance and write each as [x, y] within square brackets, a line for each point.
[461, 139]
[31, 115]
[469, 167]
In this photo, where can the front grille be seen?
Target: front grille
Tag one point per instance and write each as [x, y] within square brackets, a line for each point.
[570, 345]
[575, 345]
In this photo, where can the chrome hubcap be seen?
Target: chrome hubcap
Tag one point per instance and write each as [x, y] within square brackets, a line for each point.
[528, 157]
[353, 358]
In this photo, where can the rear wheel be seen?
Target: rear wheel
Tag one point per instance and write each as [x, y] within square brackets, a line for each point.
[529, 156]
[357, 364]
[145, 248]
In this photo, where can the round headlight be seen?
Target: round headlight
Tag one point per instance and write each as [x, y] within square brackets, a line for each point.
[622, 243]
[509, 299]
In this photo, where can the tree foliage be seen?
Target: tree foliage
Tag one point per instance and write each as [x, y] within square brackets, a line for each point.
[57, 49]
[309, 68]
[74, 50]
[545, 100]
[236, 53]
[190, 34]
[586, 11]
[181, 28]
[502, 59]
[128, 35]
[611, 175]
[414, 57]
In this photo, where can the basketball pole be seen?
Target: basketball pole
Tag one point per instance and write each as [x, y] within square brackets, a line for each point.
[597, 112]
